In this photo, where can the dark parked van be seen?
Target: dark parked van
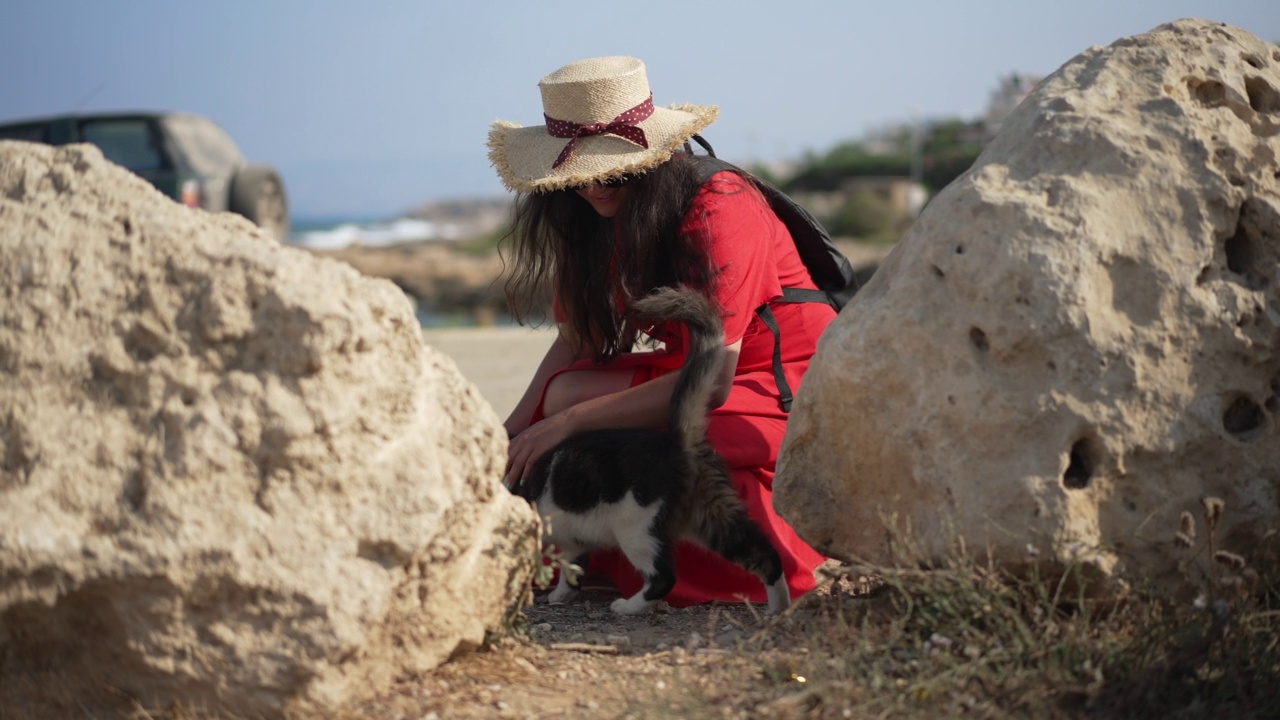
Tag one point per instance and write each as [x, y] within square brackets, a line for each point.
[188, 157]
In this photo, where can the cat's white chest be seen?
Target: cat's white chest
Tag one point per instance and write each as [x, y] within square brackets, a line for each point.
[605, 525]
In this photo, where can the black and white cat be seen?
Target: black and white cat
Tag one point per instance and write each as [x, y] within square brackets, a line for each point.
[640, 490]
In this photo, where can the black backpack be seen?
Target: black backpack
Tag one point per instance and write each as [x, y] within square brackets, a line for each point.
[828, 267]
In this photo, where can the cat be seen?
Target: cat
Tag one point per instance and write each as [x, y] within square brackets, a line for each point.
[642, 489]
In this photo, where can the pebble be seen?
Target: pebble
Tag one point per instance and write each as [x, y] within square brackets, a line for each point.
[618, 640]
[543, 627]
[729, 638]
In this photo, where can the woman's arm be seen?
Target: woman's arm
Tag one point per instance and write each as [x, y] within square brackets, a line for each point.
[644, 405]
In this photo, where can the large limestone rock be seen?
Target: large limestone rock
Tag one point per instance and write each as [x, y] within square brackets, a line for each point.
[231, 475]
[1080, 338]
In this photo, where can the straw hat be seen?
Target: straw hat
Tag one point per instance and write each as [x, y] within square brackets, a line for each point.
[600, 124]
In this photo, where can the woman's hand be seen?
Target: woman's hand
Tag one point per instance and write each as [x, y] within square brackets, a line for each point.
[526, 447]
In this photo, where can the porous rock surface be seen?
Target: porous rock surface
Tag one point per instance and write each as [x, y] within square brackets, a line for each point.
[1079, 339]
[232, 478]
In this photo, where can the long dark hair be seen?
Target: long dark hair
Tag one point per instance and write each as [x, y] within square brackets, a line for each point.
[558, 242]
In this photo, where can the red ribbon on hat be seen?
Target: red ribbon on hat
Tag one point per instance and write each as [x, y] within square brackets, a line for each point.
[622, 126]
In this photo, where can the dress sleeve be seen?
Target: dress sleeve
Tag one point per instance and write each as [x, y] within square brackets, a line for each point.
[741, 232]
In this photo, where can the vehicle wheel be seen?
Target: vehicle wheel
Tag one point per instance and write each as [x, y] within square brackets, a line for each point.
[258, 194]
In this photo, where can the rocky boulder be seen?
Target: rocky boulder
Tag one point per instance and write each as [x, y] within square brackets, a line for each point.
[232, 477]
[1079, 339]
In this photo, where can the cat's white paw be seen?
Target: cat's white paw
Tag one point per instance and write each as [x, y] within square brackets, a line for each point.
[561, 595]
[634, 605]
[779, 595]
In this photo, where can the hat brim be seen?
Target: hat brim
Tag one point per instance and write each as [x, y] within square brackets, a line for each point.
[523, 155]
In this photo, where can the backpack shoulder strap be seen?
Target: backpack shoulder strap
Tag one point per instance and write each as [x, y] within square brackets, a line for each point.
[828, 267]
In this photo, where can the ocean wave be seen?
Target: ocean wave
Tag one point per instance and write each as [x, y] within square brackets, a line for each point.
[371, 234]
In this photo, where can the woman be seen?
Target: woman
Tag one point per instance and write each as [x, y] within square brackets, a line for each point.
[611, 206]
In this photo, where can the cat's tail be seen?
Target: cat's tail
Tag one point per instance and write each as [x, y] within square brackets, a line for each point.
[697, 381]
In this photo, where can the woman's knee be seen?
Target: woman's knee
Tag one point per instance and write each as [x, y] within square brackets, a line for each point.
[558, 396]
[571, 388]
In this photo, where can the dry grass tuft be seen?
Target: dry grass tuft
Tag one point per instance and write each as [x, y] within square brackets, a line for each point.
[970, 638]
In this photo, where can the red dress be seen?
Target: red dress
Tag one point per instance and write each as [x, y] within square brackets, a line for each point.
[757, 258]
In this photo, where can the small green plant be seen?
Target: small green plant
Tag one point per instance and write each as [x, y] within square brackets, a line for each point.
[554, 561]
[868, 216]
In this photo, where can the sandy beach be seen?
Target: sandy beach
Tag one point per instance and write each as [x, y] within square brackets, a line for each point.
[498, 360]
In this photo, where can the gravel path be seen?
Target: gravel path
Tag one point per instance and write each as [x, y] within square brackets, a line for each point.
[579, 660]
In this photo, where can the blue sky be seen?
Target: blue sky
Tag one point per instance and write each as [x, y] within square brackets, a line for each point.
[371, 108]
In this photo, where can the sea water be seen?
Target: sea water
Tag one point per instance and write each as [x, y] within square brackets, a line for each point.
[339, 232]
[333, 233]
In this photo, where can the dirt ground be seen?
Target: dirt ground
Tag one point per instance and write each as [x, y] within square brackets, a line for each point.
[581, 660]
